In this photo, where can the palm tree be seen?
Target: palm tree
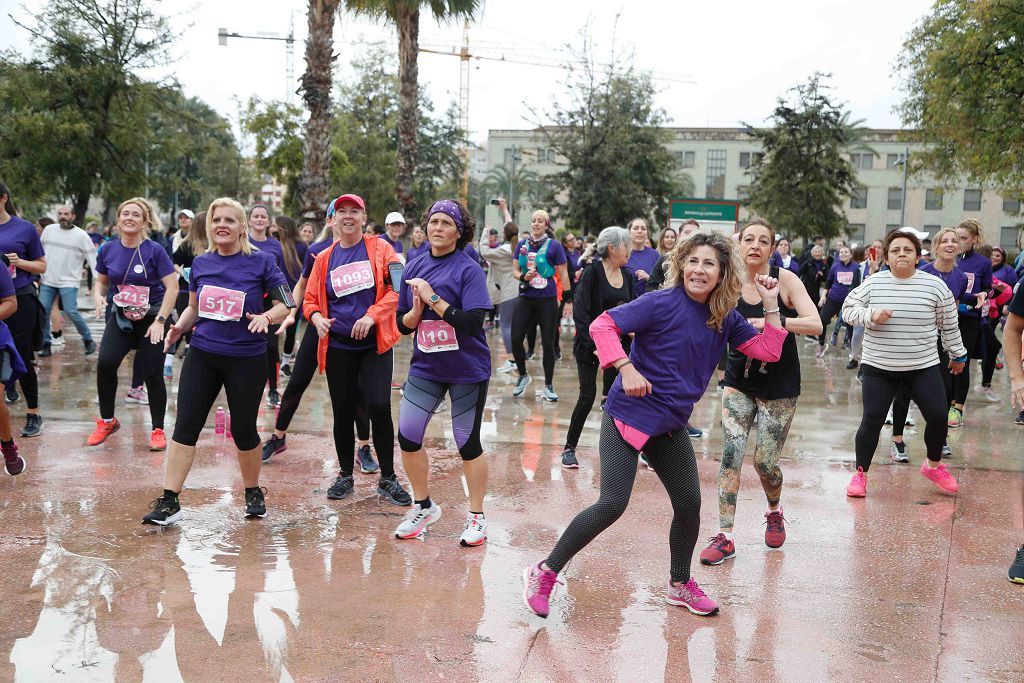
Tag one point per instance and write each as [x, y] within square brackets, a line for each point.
[523, 187]
[405, 14]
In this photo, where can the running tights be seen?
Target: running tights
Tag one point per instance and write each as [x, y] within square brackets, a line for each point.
[420, 400]
[587, 370]
[507, 312]
[671, 456]
[530, 312]
[365, 373]
[303, 369]
[992, 349]
[970, 333]
[113, 349]
[23, 325]
[829, 310]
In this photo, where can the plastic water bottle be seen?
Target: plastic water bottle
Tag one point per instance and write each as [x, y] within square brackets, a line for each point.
[227, 426]
[220, 422]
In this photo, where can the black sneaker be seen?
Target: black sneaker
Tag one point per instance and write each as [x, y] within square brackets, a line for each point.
[11, 395]
[558, 354]
[852, 364]
[46, 351]
[569, 461]
[90, 347]
[1020, 418]
[33, 425]
[1016, 573]
[341, 488]
[273, 399]
[390, 490]
[286, 370]
[273, 446]
[255, 505]
[165, 510]
[529, 355]
[603, 401]
[367, 465]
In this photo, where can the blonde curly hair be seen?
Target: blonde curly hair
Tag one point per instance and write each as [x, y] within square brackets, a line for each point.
[727, 292]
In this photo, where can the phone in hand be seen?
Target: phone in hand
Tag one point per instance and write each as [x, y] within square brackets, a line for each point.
[873, 253]
[496, 202]
[395, 271]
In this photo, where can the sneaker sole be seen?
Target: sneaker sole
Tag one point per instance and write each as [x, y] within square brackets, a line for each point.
[550, 400]
[249, 515]
[32, 436]
[420, 529]
[680, 603]
[331, 496]
[899, 461]
[176, 517]
[526, 587]
[715, 564]
[775, 547]
[571, 467]
[136, 401]
[856, 495]
[472, 545]
[1019, 580]
[157, 449]
[368, 471]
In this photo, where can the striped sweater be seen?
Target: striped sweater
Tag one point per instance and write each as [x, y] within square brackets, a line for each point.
[922, 309]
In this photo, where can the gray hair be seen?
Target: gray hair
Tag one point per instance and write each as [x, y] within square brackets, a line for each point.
[613, 236]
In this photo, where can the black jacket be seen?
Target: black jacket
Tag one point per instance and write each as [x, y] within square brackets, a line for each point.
[586, 306]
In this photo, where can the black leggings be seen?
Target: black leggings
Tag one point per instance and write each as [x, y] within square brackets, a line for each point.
[671, 456]
[901, 404]
[180, 304]
[22, 324]
[831, 309]
[289, 336]
[113, 349]
[273, 356]
[992, 349]
[531, 311]
[303, 369]
[587, 370]
[202, 376]
[354, 373]
[880, 388]
[970, 333]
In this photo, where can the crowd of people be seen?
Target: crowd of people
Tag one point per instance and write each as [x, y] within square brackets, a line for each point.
[233, 285]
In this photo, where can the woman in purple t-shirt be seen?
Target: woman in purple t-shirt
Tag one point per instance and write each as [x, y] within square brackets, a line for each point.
[260, 222]
[14, 464]
[690, 320]
[229, 325]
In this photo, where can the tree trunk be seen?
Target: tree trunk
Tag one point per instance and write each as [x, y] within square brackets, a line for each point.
[314, 182]
[408, 23]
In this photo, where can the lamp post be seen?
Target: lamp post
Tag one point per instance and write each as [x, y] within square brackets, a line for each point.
[902, 161]
[289, 40]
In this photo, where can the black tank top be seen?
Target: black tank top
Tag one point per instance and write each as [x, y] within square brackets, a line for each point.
[758, 378]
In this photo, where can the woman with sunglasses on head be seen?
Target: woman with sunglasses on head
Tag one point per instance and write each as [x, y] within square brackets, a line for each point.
[229, 323]
[260, 223]
[137, 276]
[24, 258]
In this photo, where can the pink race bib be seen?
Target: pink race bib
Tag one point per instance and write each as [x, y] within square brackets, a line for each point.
[132, 295]
[538, 282]
[433, 336]
[351, 278]
[844, 278]
[220, 303]
[13, 271]
[970, 282]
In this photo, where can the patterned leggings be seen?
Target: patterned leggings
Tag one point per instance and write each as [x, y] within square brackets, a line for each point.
[739, 411]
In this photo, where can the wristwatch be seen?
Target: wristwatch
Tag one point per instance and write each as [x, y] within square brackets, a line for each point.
[434, 298]
[161, 319]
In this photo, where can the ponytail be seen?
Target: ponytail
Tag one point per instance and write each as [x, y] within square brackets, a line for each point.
[9, 203]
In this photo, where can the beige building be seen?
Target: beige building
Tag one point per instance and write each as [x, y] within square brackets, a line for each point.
[718, 161]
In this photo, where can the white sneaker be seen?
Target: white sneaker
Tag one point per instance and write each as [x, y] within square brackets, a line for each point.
[417, 519]
[896, 456]
[909, 421]
[58, 341]
[643, 461]
[821, 351]
[888, 416]
[521, 384]
[507, 366]
[475, 532]
[987, 393]
[548, 394]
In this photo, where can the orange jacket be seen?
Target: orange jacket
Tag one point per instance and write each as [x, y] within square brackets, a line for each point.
[383, 311]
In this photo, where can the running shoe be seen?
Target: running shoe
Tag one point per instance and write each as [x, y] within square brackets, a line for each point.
[775, 532]
[90, 347]
[643, 461]
[888, 416]
[272, 447]
[1019, 419]
[58, 339]
[168, 370]
[605, 400]
[898, 452]
[852, 364]
[286, 365]
[507, 366]
[694, 433]
[558, 354]
[475, 532]
[417, 519]
[810, 340]
[955, 418]
[14, 464]
[987, 393]
[102, 431]
[367, 464]
[33, 425]
[164, 510]
[538, 588]
[833, 340]
[909, 421]
[137, 395]
[391, 490]
[690, 596]
[718, 551]
[521, 384]
[273, 399]
[1016, 573]
[548, 394]
[946, 450]
[858, 486]
[46, 351]
[940, 476]
[11, 394]
[821, 350]
[158, 440]
[569, 461]
[342, 487]
[255, 502]
[529, 354]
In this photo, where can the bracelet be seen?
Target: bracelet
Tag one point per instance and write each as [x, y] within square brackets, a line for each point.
[628, 362]
[774, 310]
[270, 321]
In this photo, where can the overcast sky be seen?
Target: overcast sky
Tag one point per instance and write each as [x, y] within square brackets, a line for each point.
[740, 55]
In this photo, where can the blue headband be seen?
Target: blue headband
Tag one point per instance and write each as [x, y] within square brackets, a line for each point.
[450, 209]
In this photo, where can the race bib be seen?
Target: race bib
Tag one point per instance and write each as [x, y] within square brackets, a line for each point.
[970, 282]
[13, 271]
[351, 278]
[433, 336]
[220, 303]
[844, 278]
[132, 295]
[538, 282]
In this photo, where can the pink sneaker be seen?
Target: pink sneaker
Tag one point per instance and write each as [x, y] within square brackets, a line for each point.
[858, 486]
[538, 587]
[940, 476]
[775, 533]
[14, 464]
[718, 551]
[690, 596]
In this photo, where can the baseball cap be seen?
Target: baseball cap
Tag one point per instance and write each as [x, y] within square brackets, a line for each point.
[919, 234]
[394, 217]
[351, 198]
[187, 213]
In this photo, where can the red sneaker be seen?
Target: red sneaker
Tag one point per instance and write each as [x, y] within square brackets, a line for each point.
[102, 431]
[720, 550]
[14, 464]
[158, 440]
[775, 533]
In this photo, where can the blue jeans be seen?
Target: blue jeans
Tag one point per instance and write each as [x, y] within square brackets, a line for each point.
[69, 299]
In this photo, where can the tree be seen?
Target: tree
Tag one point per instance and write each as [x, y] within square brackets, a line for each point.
[963, 69]
[522, 187]
[405, 14]
[804, 178]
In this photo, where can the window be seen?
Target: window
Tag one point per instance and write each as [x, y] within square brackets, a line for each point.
[748, 159]
[545, 155]
[715, 188]
[688, 159]
[890, 227]
[743, 193]
[932, 229]
[855, 232]
[1008, 237]
[861, 160]
[933, 199]
[508, 156]
[895, 198]
[972, 200]
[1011, 206]
[859, 198]
[891, 160]
[744, 159]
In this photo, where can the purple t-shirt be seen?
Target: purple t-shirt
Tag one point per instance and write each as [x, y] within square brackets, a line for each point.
[6, 283]
[841, 280]
[555, 258]
[471, 252]
[249, 278]
[314, 249]
[676, 351]
[123, 266]
[978, 270]
[416, 251]
[18, 236]
[351, 291]
[641, 260]
[954, 279]
[460, 281]
[397, 244]
[1006, 274]
[273, 247]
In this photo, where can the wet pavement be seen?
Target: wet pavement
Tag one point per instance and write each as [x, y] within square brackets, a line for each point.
[907, 583]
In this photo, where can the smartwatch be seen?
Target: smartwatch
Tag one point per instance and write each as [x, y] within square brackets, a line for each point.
[434, 298]
[161, 319]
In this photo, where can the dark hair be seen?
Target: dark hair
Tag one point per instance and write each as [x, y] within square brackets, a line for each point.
[1002, 254]
[252, 208]
[468, 224]
[373, 228]
[859, 252]
[9, 204]
[689, 221]
[896, 234]
[511, 233]
[44, 221]
[985, 250]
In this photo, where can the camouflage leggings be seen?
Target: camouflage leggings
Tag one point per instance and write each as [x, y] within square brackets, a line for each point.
[739, 412]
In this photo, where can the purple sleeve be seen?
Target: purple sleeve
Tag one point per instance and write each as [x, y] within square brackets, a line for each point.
[101, 259]
[405, 293]
[737, 330]
[986, 277]
[193, 273]
[6, 283]
[162, 262]
[34, 246]
[831, 277]
[634, 316]
[556, 253]
[474, 290]
[272, 275]
[307, 264]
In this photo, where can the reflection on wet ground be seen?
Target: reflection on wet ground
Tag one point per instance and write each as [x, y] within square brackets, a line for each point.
[905, 581]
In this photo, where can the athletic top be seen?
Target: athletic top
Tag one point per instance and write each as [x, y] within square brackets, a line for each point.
[227, 288]
[1006, 273]
[271, 246]
[416, 251]
[978, 270]
[543, 285]
[441, 353]
[470, 252]
[18, 236]
[761, 379]
[644, 260]
[842, 279]
[923, 308]
[954, 279]
[144, 266]
[351, 290]
[396, 244]
[314, 249]
[595, 295]
[1016, 305]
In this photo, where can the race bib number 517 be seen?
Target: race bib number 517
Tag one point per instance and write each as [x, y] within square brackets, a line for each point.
[220, 303]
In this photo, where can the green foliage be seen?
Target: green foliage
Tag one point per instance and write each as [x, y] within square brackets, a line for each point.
[963, 69]
[805, 177]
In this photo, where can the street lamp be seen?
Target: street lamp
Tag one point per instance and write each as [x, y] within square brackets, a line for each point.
[903, 161]
[222, 39]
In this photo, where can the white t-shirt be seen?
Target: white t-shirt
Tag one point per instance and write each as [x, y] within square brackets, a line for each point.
[66, 252]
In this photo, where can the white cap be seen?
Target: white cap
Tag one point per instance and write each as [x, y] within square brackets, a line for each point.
[915, 232]
[187, 213]
[394, 217]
